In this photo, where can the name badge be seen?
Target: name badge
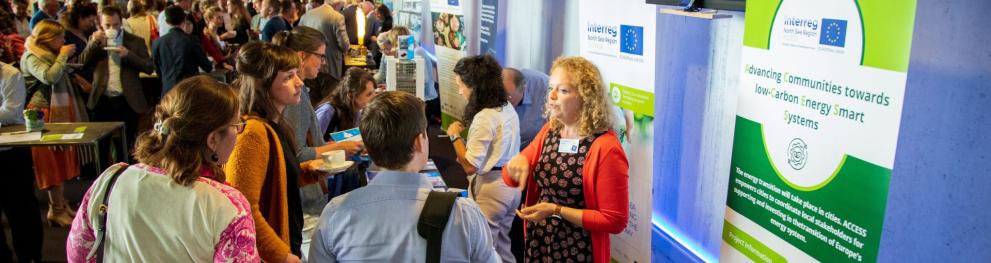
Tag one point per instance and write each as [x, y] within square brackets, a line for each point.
[568, 146]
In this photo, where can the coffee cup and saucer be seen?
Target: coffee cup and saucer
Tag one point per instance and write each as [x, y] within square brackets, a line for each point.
[334, 162]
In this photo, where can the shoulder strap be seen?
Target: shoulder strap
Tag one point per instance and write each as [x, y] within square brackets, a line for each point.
[332, 125]
[104, 208]
[433, 220]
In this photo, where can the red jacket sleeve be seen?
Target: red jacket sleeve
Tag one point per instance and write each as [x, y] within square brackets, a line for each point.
[532, 153]
[610, 190]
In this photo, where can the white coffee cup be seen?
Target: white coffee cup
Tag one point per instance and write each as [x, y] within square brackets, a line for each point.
[112, 37]
[334, 157]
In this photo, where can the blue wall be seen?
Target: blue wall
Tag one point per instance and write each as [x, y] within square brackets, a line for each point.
[698, 65]
[940, 195]
[938, 204]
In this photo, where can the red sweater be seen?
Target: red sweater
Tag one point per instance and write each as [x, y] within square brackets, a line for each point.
[211, 49]
[606, 188]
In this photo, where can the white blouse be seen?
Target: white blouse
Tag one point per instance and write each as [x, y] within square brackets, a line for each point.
[493, 138]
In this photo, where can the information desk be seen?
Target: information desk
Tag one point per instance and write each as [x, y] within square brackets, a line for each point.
[72, 134]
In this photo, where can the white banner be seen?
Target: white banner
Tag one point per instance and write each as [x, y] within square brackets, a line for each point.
[618, 36]
[450, 41]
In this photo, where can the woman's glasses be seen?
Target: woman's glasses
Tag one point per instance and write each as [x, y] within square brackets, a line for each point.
[239, 126]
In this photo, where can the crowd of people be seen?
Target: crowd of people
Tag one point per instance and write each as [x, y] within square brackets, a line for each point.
[229, 109]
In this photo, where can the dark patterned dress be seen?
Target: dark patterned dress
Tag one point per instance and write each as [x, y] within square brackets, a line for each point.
[559, 180]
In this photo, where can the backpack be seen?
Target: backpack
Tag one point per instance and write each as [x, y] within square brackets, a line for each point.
[433, 220]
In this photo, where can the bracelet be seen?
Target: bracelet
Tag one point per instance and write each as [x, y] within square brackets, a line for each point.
[557, 210]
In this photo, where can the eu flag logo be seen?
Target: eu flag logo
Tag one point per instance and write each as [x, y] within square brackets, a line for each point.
[833, 32]
[452, 2]
[631, 39]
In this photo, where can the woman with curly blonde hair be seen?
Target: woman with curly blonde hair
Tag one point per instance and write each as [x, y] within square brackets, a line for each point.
[578, 192]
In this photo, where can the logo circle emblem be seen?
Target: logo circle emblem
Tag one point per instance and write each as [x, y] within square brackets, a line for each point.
[615, 95]
[797, 153]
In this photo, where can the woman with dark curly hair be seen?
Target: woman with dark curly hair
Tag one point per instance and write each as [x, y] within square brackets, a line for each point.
[341, 110]
[79, 22]
[493, 138]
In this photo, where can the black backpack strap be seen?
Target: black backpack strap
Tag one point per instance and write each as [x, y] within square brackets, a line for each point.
[433, 220]
[104, 209]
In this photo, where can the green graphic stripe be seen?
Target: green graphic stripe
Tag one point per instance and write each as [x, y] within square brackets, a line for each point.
[863, 32]
[636, 100]
[857, 195]
[748, 245]
[887, 27]
[790, 184]
[759, 22]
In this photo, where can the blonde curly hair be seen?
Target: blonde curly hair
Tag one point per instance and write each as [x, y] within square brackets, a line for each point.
[596, 111]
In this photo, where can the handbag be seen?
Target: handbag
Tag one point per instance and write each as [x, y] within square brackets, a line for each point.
[101, 229]
[153, 27]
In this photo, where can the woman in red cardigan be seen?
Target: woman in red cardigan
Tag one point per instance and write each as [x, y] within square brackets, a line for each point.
[575, 171]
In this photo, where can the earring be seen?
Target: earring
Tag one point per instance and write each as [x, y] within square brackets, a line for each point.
[214, 157]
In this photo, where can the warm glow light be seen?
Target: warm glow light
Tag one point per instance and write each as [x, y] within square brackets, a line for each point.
[360, 17]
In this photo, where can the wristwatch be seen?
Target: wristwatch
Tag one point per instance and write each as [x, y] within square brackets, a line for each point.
[454, 137]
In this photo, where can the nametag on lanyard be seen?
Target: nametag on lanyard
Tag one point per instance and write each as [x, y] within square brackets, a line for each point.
[568, 146]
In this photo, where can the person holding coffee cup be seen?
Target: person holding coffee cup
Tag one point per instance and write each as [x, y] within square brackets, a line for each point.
[340, 111]
[119, 58]
[334, 159]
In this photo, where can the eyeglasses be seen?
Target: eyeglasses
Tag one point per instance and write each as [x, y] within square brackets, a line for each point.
[239, 126]
[316, 54]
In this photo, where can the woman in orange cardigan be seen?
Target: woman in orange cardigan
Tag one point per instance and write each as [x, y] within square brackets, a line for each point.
[263, 164]
[574, 171]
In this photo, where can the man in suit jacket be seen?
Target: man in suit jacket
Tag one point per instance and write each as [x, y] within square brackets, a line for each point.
[327, 20]
[118, 57]
[177, 54]
[351, 22]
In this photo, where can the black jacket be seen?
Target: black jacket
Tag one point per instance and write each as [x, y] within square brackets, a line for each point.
[177, 56]
[136, 61]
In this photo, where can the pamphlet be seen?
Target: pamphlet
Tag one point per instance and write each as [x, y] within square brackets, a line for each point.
[346, 135]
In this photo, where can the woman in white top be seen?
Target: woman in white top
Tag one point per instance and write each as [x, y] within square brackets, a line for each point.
[140, 23]
[493, 139]
[174, 205]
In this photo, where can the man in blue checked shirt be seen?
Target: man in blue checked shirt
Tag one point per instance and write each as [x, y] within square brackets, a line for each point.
[378, 222]
[527, 91]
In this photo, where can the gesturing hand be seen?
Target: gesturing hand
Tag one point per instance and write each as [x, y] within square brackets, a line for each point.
[68, 50]
[537, 212]
[455, 129]
[518, 169]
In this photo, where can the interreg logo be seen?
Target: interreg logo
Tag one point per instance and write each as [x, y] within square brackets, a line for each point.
[797, 153]
[602, 34]
[799, 22]
[602, 29]
[632, 39]
[800, 27]
[833, 32]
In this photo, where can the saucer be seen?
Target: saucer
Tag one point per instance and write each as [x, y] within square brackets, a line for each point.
[336, 168]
